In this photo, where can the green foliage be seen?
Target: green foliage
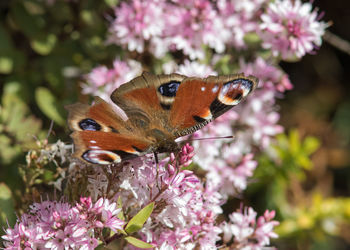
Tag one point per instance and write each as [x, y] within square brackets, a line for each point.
[321, 215]
[138, 243]
[136, 223]
[18, 128]
[289, 154]
[49, 105]
[44, 51]
[7, 206]
[278, 180]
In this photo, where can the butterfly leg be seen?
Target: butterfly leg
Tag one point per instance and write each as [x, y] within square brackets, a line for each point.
[157, 168]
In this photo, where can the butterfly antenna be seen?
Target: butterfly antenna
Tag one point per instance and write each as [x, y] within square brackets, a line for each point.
[209, 138]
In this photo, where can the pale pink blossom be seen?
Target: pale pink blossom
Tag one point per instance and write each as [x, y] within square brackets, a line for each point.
[195, 68]
[136, 22]
[58, 225]
[190, 24]
[239, 18]
[270, 76]
[102, 81]
[247, 231]
[291, 29]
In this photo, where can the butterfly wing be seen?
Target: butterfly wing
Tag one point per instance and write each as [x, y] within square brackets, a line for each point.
[158, 109]
[101, 136]
[199, 101]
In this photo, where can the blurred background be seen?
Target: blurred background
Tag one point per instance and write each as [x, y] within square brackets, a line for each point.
[46, 47]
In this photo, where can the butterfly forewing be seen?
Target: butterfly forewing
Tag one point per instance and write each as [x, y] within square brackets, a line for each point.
[199, 101]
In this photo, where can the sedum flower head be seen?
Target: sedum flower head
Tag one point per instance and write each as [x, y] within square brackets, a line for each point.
[58, 225]
[291, 28]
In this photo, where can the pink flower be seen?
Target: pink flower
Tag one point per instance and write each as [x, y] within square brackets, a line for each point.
[270, 77]
[247, 231]
[291, 29]
[195, 69]
[259, 115]
[102, 81]
[240, 17]
[136, 22]
[57, 225]
[190, 24]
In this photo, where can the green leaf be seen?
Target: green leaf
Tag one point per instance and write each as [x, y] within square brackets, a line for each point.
[136, 223]
[17, 127]
[44, 45]
[29, 24]
[120, 205]
[252, 38]
[138, 243]
[111, 3]
[311, 144]
[5, 40]
[48, 104]
[7, 208]
[6, 64]
[294, 140]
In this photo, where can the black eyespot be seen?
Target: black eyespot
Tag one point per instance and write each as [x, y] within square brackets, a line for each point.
[238, 96]
[89, 124]
[169, 89]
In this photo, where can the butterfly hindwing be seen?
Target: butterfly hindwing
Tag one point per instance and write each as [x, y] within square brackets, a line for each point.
[101, 136]
[98, 147]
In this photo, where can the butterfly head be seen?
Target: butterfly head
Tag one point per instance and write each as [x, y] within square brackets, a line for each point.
[162, 142]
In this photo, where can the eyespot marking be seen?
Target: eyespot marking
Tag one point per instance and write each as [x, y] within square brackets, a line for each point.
[169, 89]
[234, 91]
[89, 124]
[103, 157]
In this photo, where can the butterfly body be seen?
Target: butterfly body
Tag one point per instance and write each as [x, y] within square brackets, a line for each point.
[154, 111]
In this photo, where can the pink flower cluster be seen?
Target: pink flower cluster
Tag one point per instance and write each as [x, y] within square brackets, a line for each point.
[185, 210]
[58, 225]
[184, 216]
[101, 81]
[244, 231]
[289, 28]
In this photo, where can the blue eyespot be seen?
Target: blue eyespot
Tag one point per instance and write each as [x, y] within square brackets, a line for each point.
[169, 89]
[89, 124]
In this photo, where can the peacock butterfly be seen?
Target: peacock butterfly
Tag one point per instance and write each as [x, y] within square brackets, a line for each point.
[156, 109]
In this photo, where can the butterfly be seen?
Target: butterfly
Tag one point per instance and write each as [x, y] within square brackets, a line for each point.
[155, 110]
